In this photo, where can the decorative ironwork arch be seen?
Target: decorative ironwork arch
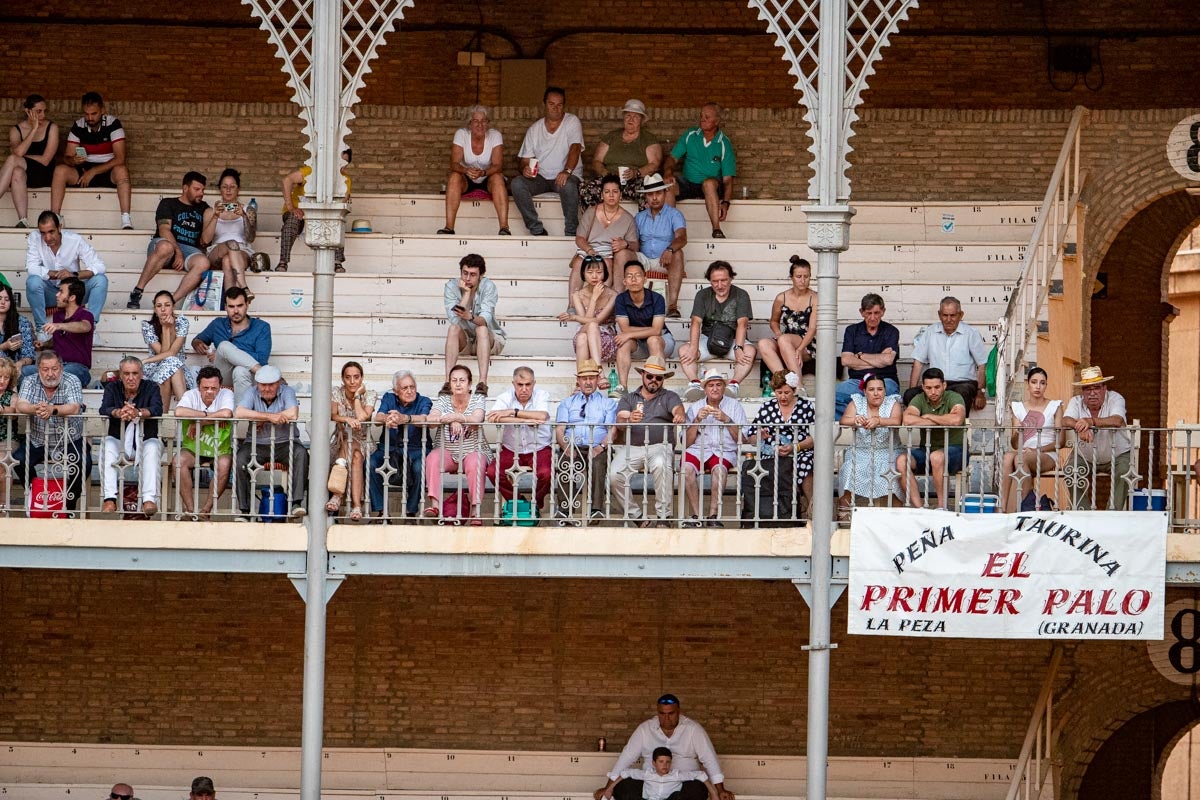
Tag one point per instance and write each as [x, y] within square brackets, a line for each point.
[289, 26]
[796, 26]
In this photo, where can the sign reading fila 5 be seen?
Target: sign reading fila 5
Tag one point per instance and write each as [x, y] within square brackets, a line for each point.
[1080, 575]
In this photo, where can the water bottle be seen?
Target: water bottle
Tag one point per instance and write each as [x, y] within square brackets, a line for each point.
[253, 205]
[767, 391]
[612, 383]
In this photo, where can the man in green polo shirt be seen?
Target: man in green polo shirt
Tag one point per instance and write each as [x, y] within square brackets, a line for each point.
[708, 167]
[941, 451]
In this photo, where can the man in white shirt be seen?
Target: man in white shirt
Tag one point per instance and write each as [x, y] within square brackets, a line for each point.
[206, 443]
[551, 161]
[52, 255]
[525, 437]
[955, 348]
[690, 748]
[1102, 444]
[714, 430]
[661, 782]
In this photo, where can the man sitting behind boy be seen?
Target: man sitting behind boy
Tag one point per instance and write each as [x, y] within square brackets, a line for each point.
[659, 781]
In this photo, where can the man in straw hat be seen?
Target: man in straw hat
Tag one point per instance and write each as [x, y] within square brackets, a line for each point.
[714, 429]
[1102, 444]
[662, 234]
[584, 432]
[650, 414]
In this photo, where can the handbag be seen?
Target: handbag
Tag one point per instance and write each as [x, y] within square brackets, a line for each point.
[720, 339]
[338, 475]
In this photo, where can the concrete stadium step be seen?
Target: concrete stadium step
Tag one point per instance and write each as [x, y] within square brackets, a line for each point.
[922, 221]
[461, 774]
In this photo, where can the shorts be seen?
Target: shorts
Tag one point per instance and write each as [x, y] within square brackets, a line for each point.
[953, 458]
[234, 245]
[102, 181]
[476, 190]
[641, 351]
[654, 269]
[690, 459]
[704, 355]
[690, 191]
[498, 342]
[187, 250]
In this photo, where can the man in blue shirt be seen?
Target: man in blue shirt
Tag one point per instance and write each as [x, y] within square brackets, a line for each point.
[584, 433]
[868, 346]
[402, 410]
[238, 345]
[662, 234]
[708, 167]
[641, 323]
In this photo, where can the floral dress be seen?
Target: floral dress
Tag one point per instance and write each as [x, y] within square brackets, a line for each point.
[343, 434]
[796, 323]
[872, 455]
[161, 371]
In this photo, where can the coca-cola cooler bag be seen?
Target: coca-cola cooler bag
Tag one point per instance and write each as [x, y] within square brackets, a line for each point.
[47, 499]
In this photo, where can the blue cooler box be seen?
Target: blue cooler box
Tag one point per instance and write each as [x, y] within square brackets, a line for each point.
[1150, 500]
[980, 504]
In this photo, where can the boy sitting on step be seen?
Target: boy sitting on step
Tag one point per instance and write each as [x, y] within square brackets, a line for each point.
[660, 782]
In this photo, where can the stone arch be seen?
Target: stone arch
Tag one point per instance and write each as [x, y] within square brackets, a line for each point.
[1130, 763]
[1128, 331]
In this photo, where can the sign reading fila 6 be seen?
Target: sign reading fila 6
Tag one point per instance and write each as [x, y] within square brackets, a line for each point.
[1038, 575]
[1183, 148]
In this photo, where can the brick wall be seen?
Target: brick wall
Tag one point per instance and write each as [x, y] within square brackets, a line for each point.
[955, 53]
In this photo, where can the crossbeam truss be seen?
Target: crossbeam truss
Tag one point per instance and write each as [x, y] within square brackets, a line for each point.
[796, 25]
[365, 27]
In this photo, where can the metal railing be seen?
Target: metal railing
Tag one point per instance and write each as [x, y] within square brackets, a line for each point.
[1035, 762]
[1028, 299]
[208, 469]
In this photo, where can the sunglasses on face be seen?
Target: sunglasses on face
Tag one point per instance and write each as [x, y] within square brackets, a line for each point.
[115, 796]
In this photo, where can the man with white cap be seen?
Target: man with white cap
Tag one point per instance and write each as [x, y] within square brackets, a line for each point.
[630, 152]
[273, 438]
[1102, 444]
[662, 235]
[584, 431]
[650, 415]
[714, 429]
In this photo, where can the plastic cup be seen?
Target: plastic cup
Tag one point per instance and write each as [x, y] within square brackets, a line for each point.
[533, 166]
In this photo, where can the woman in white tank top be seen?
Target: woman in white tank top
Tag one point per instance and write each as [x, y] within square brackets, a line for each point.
[231, 229]
[1035, 441]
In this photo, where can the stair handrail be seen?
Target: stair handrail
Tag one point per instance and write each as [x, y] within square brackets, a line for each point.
[1032, 289]
[1038, 748]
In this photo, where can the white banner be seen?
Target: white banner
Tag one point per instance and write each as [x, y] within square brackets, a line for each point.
[1037, 575]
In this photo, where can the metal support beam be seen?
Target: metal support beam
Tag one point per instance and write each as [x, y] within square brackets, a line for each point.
[836, 590]
[332, 583]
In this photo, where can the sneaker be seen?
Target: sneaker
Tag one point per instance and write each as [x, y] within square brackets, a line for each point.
[540, 233]
[126, 222]
[714, 522]
[731, 389]
[693, 392]
[22, 223]
[617, 391]
[691, 522]
[481, 388]
[298, 511]
[135, 298]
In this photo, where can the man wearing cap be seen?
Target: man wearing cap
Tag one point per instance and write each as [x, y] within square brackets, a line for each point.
[941, 451]
[714, 430]
[955, 348]
[202, 789]
[133, 406]
[708, 167]
[525, 438]
[649, 414]
[121, 791]
[630, 152]
[237, 344]
[551, 160]
[273, 439]
[720, 323]
[584, 432]
[691, 750]
[662, 235]
[641, 315]
[1102, 443]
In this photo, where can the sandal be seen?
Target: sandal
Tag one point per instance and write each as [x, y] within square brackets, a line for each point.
[281, 266]
[503, 231]
[431, 511]
[249, 295]
[718, 233]
[445, 231]
[339, 266]
[356, 514]
[334, 504]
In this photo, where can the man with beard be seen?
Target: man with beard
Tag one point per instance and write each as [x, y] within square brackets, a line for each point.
[177, 240]
[650, 413]
[238, 345]
[52, 400]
